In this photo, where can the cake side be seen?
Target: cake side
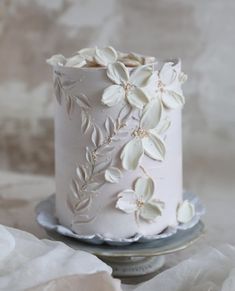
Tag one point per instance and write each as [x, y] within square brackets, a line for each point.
[119, 156]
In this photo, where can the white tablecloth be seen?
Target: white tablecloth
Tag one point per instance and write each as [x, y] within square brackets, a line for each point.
[207, 265]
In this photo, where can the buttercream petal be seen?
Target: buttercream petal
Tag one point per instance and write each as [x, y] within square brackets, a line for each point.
[131, 154]
[154, 147]
[172, 100]
[137, 97]
[56, 60]
[127, 201]
[167, 74]
[150, 211]
[76, 61]
[118, 73]
[144, 188]
[185, 212]
[105, 56]
[162, 127]
[152, 114]
[112, 95]
[140, 76]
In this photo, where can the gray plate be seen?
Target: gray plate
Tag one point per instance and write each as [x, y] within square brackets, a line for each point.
[45, 211]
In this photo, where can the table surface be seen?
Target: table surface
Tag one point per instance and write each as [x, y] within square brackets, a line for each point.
[20, 193]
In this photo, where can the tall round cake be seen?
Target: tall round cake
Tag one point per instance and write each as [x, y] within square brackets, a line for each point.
[118, 151]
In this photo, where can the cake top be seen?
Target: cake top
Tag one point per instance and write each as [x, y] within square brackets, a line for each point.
[100, 57]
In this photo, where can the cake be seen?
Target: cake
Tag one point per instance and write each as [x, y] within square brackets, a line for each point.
[118, 148]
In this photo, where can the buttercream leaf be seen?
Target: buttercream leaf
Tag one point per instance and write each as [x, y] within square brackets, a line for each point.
[70, 105]
[113, 175]
[94, 186]
[112, 95]
[105, 56]
[75, 189]
[83, 101]
[150, 211]
[172, 100]
[86, 122]
[185, 212]
[167, 74]
[118, 73]
[137, 97]
[80, 173]
[89, 157]
[94, 136]
[154, 147]
[144, 188]
[76, 61]
[102, 166]
[58, 90]
[127, 201]
[152, 114]
[131, 154]
[140, 76]
[109, 125]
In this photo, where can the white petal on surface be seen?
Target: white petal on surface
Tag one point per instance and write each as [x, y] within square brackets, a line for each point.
[152, 114]
[118, 73]
[150, 211]
[127, 201]
[137, 98]
[113, 175]
[154, 147]
[105, 56]
[76, 62]
[172, 100]
[167, 74]
[185, 212]
[140, 76]
[56, 60]
[131, 154]
[112, 95]
[144, 188]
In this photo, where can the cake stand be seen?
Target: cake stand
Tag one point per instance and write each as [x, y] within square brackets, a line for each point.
[136, 262]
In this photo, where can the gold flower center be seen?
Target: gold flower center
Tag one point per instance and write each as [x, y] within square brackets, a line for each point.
[139, 203]
[161, 86]
[140, 132]
[128, 87]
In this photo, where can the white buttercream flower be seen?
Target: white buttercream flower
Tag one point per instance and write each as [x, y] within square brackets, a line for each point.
[147, 137]
[127, 86]
[168, 86]
[140, 200]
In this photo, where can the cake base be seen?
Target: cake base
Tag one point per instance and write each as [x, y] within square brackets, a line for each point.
[137, 262]
[46, 217]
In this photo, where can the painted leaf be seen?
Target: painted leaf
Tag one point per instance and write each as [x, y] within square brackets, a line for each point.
[80, 173]
[118, 73]
[83, 101]
[58, 90]
[102, 166]
[131, 154]
[94, 186]
[86, 122]
[113, 175]
[70, 105]
[109, 125]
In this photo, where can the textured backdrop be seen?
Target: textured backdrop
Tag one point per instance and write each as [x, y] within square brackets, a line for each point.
[201, 32]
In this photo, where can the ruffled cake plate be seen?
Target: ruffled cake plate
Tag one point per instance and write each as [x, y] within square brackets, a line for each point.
[134, 259]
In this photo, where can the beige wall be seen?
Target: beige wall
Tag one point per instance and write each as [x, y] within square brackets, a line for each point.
[201, 32]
